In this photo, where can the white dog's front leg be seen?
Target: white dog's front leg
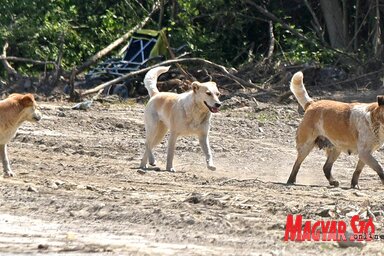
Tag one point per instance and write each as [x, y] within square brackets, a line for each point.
[144, 160]
[171, 151]
[204, 143]
[4, 158]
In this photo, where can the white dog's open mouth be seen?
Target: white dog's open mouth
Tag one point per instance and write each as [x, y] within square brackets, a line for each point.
[212, 109]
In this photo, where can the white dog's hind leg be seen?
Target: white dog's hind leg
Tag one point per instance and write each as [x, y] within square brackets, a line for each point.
[204, 143]
[158, 133]
[171, 151]
[4, 158]
[154, 135]
[148, 154]
[144, 160]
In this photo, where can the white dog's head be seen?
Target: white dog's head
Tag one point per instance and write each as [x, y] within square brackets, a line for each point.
[208, 94]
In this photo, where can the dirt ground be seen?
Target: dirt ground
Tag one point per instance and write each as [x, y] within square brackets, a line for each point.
[77, 189]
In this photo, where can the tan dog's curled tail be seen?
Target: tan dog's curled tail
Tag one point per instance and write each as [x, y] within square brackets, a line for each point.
[150, 79]
[298, 89]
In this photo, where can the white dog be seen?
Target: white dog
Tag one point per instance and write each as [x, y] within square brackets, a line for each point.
[183, 114]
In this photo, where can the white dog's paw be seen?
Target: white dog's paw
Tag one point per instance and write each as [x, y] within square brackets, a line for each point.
[171, 169]
[211, 167]
[144, 169]
[9, 173]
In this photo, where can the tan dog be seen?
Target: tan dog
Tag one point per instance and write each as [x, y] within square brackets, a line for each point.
[338, 127]
[14, 110]
[183, 114]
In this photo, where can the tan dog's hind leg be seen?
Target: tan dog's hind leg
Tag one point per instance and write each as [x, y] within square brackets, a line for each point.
[171, 151]
[305, 141]
[356, 174]
[302, 153]
[204, 143]
[332, 154]
[4, 158]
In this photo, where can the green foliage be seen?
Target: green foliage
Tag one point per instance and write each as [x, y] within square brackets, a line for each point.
[216, 30]
[295, 50]
[224, 31]
[233, 32]
[34, 28]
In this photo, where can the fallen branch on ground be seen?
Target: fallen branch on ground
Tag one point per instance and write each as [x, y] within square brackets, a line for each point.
[19, 59]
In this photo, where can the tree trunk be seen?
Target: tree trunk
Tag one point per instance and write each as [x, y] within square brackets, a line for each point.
[377, 43]
[161, 15]
[333, 16]
[356, 29]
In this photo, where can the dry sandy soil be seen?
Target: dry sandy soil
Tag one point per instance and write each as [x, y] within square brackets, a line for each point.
[77, 189]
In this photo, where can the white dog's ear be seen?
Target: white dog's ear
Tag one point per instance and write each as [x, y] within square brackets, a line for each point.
[195, 86]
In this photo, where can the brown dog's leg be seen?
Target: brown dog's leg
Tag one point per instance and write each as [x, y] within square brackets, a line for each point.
[356, 174]
[332, 154]
[302, 153]
[369, 160]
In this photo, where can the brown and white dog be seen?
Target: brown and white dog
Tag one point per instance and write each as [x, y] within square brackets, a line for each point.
[338, 127]
[182, 114]
[14, 110]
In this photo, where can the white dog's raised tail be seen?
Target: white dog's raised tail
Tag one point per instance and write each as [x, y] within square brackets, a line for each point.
[298, 89]
[150, 79]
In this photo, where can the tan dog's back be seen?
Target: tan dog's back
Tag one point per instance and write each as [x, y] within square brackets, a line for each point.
[331, 119]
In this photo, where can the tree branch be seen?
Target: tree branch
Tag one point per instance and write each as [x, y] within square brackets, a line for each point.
[169, 62]
[272, 40]
[272, 17]
[10, 70]
[318, 28]
[19, 59]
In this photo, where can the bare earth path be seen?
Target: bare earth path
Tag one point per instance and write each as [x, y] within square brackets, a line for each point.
[77, 190]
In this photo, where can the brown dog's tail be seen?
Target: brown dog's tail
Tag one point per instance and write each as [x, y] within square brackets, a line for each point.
[298, 89]
[150, 79]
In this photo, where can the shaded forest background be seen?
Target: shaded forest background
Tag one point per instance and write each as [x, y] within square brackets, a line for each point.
[53, 41]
